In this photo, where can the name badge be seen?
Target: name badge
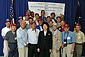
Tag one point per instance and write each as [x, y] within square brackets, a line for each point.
[68, 37]
[15, 38]
[48, 34]
[59, 28]
[35, 32]
[64, 42]
[79, 37]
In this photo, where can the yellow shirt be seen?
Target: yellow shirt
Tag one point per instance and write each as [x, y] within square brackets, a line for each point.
[79, 37]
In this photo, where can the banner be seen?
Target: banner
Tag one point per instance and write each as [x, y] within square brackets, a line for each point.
[49, 7]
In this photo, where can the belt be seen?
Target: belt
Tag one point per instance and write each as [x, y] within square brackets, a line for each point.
[32, 44]
[78, 43]
[69, 43]
[65, 45]
[12, 43]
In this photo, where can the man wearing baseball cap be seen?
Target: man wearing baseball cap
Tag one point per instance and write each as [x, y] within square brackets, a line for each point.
[19, 20]
[61, 28]
[27, 18]
[40, 21]
[68, 42]
[36, 18]
[11, 41]
[33, 39]
[58, 18]
[79, 37]
[28, 26]
[53, 17]
[3, 33]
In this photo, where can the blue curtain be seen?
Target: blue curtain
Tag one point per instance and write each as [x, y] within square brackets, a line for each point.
[21, 6]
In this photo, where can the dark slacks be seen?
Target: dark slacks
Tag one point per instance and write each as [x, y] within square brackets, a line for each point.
[44, 53]
[32, 50]
[13, 50]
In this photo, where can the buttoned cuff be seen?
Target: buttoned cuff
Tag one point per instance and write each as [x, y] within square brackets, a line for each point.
[25, 44]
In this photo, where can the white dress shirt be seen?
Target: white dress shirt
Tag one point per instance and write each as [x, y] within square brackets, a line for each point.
[33, 36]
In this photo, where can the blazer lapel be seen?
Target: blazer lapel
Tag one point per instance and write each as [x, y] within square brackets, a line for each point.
[56, 33]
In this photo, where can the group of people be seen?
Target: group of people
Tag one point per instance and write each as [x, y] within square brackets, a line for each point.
[40, 36]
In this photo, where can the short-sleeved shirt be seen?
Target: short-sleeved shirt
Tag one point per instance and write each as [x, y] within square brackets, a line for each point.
[5, 30]
[33, 36]
[69, 36]
[10, 37]
[79, 37]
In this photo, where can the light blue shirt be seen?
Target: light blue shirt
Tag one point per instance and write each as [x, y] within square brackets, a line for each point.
[55, 32]
[22, 38]
[70, 37]
[33, 36]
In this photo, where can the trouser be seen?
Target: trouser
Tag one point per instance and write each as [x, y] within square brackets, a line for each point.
[13, 50]
[23, 52]
[54, 54]
[78, 50]
[32, 50]
[67, 51]
[5, 51]
[44, 53]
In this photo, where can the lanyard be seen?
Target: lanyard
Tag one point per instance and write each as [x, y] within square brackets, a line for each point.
[67, 35]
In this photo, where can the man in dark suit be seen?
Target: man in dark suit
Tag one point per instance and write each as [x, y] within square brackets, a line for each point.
[42, 16]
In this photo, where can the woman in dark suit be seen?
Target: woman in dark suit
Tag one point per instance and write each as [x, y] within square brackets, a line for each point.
[45, 41]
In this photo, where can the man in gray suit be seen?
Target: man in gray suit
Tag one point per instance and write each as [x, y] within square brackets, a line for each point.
[57, 41]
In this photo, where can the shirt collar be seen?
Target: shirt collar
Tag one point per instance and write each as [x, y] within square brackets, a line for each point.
[32, 30]
[8, 28]
[21, 28]
[67, 33]
[78, 32]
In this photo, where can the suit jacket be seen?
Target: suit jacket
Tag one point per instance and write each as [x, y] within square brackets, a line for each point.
[42, 18]
[45, 42]
[57, 40]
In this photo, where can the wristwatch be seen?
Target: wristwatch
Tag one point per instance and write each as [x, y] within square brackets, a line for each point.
[72, 50]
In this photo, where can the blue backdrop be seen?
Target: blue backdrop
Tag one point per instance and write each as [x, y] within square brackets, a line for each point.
[21, 6]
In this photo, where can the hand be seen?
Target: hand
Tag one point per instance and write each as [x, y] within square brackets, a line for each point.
[38, 50]
[72, 51]
[8, 49]
[57, 50]
[50, 50]
[82, 43]
[26, 45]
[62, 46]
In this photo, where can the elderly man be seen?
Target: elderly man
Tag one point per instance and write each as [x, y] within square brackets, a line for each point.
[57, 41]
[19, 20]
[58, 18]
[50, 25]
[79, 37]
[68, 40]
[4, 31]
[11, 41]
[33, 39]
[22, 40]
[40, 21]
